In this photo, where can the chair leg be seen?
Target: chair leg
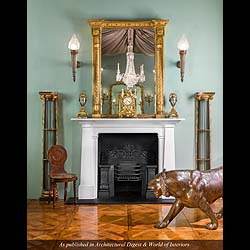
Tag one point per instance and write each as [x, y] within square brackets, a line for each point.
[74, 192]
[54, 194]
[65, 190]
[50, 190]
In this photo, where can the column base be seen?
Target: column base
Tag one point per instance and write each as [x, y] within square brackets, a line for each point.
[160, 116]
[86, 192]
[96, 115]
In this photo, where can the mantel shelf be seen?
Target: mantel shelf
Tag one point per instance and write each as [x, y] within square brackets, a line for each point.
[129, 121]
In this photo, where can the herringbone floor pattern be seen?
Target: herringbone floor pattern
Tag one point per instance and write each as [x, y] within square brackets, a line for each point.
[116, 222]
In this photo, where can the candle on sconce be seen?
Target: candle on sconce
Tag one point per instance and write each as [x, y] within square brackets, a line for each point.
[118, 75]
[122, 92]
[114, 100]
[154, 75]
[142, 69]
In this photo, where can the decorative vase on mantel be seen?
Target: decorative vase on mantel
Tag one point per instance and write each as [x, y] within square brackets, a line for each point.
[82, 100]
[173, 100]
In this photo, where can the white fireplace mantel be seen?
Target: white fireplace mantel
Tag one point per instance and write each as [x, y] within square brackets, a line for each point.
[92, 127]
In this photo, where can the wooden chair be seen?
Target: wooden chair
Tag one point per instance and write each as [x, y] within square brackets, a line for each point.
[57, 155]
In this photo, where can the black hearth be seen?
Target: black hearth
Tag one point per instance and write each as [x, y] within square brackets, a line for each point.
[126, 163]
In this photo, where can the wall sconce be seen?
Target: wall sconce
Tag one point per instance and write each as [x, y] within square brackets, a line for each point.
[105, 96]
[148, 98]
[183, 46]
[74, 46]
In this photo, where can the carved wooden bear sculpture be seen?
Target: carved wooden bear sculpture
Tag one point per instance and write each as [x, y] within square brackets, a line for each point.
[191, 188]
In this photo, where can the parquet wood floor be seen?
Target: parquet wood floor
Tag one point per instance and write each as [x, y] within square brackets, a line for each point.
[116, 222]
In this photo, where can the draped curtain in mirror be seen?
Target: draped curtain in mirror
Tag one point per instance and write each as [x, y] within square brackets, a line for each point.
[114, 41]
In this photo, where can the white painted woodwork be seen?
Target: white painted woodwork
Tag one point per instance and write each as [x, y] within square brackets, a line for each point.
[92, 127]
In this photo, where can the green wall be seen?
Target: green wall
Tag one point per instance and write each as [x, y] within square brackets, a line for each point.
[50, 25]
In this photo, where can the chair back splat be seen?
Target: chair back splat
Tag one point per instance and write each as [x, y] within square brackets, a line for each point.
[57, 155]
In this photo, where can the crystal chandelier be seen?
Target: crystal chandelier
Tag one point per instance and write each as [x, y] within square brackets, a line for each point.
[130, 78]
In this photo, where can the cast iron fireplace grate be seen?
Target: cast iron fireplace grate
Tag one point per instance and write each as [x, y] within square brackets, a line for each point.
[126, 163]
[128, 172]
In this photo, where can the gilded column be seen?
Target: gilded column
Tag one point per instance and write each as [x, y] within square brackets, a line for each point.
[159, 66]
[49, 134]
[96, 62]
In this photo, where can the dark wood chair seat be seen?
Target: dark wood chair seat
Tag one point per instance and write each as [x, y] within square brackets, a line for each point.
[68, 176]
[57, 155]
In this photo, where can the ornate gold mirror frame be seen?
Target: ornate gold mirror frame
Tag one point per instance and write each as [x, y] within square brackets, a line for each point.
[97, 26]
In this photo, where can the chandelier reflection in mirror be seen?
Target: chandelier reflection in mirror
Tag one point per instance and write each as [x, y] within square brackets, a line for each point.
[130, 78]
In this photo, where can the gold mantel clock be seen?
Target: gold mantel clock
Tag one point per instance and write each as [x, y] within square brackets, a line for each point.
[126, 104]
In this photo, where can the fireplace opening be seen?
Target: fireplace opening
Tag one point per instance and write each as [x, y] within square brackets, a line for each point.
[126, 162]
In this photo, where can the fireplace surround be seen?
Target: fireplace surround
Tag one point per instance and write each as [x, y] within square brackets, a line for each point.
[91, 128]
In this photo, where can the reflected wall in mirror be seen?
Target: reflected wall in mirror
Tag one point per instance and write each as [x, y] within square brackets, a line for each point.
[128, 55]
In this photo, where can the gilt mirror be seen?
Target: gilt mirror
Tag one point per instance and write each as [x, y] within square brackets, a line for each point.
[127, 59]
